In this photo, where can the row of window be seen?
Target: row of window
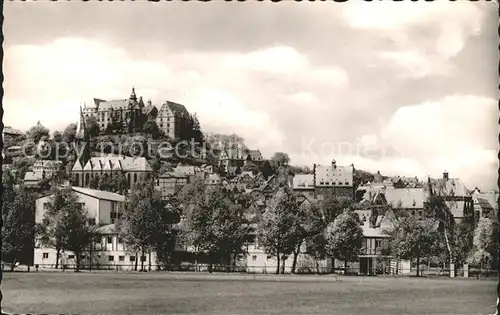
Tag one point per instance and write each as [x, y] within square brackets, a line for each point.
[110, 257]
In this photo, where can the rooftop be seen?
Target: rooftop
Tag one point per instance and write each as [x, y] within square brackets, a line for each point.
[99, 194]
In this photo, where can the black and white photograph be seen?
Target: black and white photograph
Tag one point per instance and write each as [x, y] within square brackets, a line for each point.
[250, 157]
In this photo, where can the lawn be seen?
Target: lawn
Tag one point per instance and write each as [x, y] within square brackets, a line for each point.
[163, 293]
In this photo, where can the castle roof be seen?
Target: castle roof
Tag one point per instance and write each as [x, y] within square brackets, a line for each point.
[175, 108]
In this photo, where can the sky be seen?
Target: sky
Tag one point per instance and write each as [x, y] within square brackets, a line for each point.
[404, 88]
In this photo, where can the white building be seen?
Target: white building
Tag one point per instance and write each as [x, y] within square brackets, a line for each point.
[104, 207]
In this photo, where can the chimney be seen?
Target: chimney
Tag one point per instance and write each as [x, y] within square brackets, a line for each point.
[445, 175]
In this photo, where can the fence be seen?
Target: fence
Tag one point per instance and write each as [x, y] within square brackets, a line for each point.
[204, 268]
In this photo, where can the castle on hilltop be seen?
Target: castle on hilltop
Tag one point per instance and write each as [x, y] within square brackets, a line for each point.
[132, 113]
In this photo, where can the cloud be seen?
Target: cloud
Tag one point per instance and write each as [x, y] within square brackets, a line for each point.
[275, 60]
[424, 37]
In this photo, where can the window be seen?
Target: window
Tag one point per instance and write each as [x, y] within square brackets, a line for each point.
[143, 258]
[254, 257]
[110, 240]
[45, 255]
[121, 258]
[111, 258]
[120, 241]
[378, 243]
[268, 257]
[71, 256]
[132, 258]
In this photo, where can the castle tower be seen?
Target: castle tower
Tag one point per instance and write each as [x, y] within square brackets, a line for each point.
[133, 97]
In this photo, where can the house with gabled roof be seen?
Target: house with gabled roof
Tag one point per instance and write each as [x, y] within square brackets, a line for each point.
[173, 119]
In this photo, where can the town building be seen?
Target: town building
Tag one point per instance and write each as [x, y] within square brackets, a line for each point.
[174, 120]
[485, 203]
[231, 158]
[304, 184]
[326, 180]
[393, 194]
[457, 197]
[42, 169]
[134, 169]
[334, 179]
[103, 207]
[255, 156]
[170, 183]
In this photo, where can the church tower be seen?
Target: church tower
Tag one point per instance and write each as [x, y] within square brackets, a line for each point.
[82, 139]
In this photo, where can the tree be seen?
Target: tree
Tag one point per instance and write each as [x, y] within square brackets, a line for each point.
[119, 184]
[280, 159]
[277, 231]
[57, 137]
[214, 223]
[151, 128]
[79, 230]
[69, 133]
[332, 207]
[37, 132]
[485, 242]
[147, 223]
[21, 166]
[92, 127]
[94, 182]
[197, 133]
[440, 211]
[345, 237]
[66, 224]
[18, 227]
[412, 238]
[237, 171]
[267, 170]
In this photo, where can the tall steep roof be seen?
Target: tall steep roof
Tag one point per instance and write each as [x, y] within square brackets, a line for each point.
[113, 162]
[333, 175]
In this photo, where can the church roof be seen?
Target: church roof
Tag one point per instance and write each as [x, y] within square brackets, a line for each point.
[113, 162]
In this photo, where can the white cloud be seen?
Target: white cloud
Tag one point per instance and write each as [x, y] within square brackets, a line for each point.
[457, 133]
[275, 60]
[449, 25]
[416, 64]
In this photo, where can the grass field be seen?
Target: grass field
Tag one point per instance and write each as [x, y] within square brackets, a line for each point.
[163, 293]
